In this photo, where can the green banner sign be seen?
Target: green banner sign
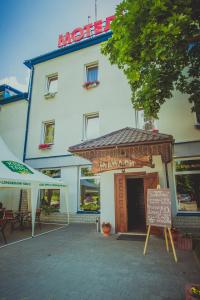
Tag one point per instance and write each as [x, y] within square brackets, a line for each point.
[16, 167]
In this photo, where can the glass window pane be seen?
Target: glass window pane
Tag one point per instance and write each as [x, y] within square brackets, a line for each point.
[54, 173]
[188, 192]
[86, 172]
[49, 133]
[187, 165]
[92, 127]
[92, 74]
[90, 194]
[198, 117]
[52, 84]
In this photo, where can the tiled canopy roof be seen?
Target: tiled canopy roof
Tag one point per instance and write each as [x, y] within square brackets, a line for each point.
[124, 137]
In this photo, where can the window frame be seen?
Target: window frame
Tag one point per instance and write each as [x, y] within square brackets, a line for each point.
[90, 66]
[50, 78]
[184, 212]
[44, 123]
[86, 117]
[140, 121]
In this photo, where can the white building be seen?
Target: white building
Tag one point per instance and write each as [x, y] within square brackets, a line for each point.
[75, 96]
[13, 117]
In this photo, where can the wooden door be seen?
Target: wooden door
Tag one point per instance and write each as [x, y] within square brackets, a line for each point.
[120, 203]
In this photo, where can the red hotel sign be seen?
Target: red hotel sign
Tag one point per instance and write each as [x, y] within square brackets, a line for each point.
[80, 33]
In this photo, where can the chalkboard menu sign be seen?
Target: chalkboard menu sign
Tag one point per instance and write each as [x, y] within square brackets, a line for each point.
[159, 207]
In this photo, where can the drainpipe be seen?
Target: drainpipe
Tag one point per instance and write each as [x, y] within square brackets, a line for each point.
[167, 175]
[28, 113]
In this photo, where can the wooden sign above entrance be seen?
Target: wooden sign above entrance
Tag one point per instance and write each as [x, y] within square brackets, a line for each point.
[159, 207]
[108, 163]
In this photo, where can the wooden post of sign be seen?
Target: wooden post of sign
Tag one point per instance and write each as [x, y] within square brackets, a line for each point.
[166, 239]
[147, 238]
[172, 243]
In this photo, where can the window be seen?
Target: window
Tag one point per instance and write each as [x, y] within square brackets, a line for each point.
[187, 176]
[52, 83]
[145, 123]
[92, 73]
[48, 137]
[90, 126]
[89, 190]
[197, 118]
[50, 199]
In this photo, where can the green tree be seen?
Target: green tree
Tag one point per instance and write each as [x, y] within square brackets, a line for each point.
[157, 45]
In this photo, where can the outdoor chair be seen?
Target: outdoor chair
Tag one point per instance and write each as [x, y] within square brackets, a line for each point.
[37, 218]
[3, 223]
[10, 218]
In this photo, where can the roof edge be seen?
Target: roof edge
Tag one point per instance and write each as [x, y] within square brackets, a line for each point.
[68, 49]
[15, 98]
[171, 141]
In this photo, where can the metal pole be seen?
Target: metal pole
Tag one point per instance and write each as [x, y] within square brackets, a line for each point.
[95, 10]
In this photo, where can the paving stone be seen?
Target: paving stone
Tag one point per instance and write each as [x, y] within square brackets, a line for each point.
[77, 263]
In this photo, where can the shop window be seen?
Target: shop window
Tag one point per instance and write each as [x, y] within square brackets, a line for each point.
[144, 122]
[48, 129]
[90, 126]
[89, 190]
[92, 73]
[50, 199]
[187, 176]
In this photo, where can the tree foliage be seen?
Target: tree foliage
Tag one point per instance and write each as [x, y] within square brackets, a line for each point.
[157, 45]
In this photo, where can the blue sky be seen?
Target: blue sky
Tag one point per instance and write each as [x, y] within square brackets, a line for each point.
[29, 28]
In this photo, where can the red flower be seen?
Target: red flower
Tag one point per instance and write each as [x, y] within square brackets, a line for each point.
[44, 146]
[90, 84]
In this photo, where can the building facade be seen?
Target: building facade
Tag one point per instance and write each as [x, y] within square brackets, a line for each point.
[76, 96]
[13, 117]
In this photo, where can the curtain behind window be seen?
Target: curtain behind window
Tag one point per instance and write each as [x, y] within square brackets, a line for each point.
[92, 74]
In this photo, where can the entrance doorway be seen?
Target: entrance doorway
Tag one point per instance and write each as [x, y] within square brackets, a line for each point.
[135, 204]
[124, 190]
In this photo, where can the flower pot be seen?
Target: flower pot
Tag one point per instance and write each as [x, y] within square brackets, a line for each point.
[106, 229]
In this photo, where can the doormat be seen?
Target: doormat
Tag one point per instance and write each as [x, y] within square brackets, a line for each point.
[131, 237]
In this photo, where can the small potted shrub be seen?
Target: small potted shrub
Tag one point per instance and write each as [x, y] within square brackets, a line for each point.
[106, 227]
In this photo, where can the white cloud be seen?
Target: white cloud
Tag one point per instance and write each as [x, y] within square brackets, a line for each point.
[13, 82]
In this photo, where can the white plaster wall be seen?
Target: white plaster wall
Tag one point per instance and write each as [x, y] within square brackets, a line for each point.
[107, 189]
[111, 99]
[69, 175]
[13, 125]
[175, 118]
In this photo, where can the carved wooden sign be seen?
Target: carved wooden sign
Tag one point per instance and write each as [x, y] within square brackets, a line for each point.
[107, 163]
[159, 207]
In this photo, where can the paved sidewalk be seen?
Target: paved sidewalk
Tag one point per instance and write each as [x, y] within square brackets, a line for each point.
[76, 263]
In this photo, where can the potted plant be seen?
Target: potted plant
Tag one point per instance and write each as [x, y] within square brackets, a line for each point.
[106, 227]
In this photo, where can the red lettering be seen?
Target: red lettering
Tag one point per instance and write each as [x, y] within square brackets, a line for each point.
[98, 27]
[63, 40]
[87, 29]
[77, 34]
[108, 21]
